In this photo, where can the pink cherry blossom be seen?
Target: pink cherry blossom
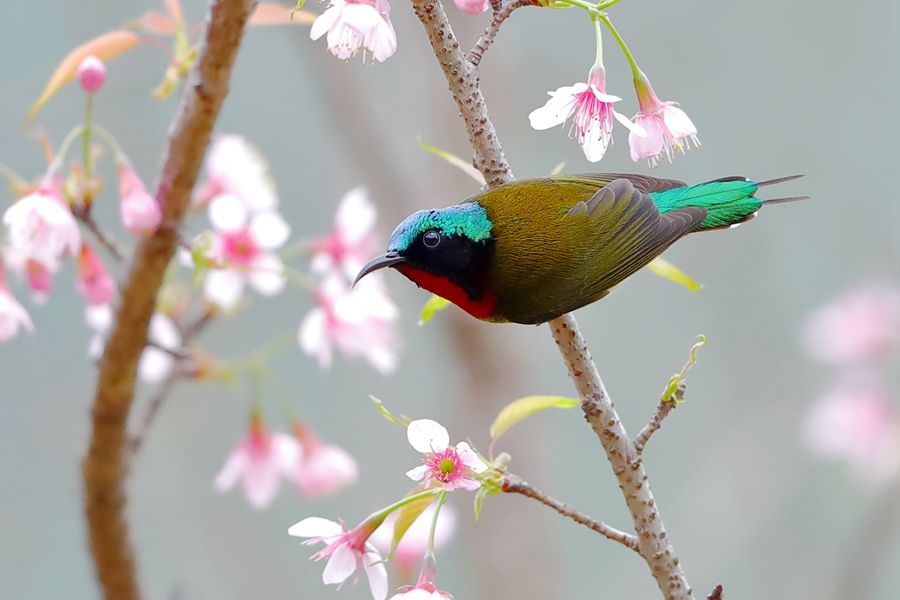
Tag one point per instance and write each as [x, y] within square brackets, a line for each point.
[858, 326]
[41, 231]
[94, 281]
[91, 73]
[322, 468]
[260, 461]
[662, 127]
[235, 168]
[243, 249]
[140, 212]
[352, 241]
[414, 544]
[358, 321]
[348, 552]
[357, 24]
[12, 315]
[591, 109]
[156, 362]
[473, 7]
[444, 465]
[858, 423]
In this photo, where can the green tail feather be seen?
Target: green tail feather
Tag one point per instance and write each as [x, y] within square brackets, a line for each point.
[727, 202]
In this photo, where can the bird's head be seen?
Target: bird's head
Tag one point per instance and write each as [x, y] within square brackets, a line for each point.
[446, 251]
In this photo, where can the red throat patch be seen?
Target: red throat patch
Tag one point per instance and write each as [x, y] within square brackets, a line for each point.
[443, 287]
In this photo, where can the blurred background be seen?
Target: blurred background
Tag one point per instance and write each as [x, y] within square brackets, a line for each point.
[774, 88]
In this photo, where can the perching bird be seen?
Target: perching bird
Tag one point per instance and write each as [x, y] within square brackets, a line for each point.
[533, 250]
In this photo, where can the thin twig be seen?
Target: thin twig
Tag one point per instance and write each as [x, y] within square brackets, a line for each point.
[663, 408]
[487, 38]
[87, 219]
[136, 441]
[513, 485]
[106, 464]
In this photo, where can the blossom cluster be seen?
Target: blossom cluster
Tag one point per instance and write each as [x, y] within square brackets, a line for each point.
[444, 469]
[858, 419]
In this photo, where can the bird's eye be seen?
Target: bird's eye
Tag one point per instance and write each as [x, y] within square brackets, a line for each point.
[431, 239]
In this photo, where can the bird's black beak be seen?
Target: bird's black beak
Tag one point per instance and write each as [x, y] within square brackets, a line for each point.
[388, 260]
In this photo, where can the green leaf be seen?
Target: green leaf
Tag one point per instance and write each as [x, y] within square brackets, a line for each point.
[558, 168]
[406, 516]
[480, 495]
[675, 380]
[434, 305]
[403, 421]
[520, 409]
[454, 160]
[664, 268]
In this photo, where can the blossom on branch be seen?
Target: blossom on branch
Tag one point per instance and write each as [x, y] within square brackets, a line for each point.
[348, 552]
[91, 73]
[591, 110]
[354, 25]
[358, 321]
[260, 461]
[140, 212]
[444, 465]
[41, 231]
[473, 7]
[661, 127]
[234, 167]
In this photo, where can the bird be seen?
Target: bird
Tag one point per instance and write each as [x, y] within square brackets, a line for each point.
[532, 250]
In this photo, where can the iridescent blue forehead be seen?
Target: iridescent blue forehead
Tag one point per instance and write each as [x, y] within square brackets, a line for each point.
[468, 219]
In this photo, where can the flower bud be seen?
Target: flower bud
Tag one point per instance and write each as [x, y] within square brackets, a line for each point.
[91, 73]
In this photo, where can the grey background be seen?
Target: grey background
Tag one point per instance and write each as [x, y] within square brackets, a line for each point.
[774, 87]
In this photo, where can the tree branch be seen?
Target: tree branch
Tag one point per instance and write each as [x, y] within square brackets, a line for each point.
[663, 408]
[487, 38]
[462, 79]
[105, 465]
[653, 544]
[87, 219]
[513, 485]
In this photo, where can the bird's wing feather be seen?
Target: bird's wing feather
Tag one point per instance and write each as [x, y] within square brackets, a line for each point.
[630, 232]
[644, 183]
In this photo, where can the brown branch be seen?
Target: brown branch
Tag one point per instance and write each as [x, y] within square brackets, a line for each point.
[487, 38]
[105, 465]
[717, 593]
[653, 544]
[663, 408]
[513, 485]
[463, 82]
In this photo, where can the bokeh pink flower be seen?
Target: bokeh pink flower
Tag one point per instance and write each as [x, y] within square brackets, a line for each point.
[261, 460]
[473, 7]
[322, 468]
[12, 315]
[861, 325]
[94, 281]
[140, 212]
[352, 241]
[414, 544]
[234, 167]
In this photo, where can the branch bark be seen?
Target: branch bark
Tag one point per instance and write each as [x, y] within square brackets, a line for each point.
[105, 464]
[653, 544]
[663, 408]
[513, 485]
[487, 38]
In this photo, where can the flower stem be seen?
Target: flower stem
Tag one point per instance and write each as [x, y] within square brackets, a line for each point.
[86, 158]
[598, 33]
[437, 509]
[64, 149]
[13, 178]
[382, 514]
[635, 69]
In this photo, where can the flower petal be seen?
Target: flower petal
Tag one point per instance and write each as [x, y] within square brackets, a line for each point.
[223, 287]
[155, 365]
[227, 213]
[312, 527]
[267, 275]
[377, 573]
[341, 565]
[469, 458]
[230, 472]
[555, 112]
[427, 436]
[417, 473]
[269, 229]
[355, 217]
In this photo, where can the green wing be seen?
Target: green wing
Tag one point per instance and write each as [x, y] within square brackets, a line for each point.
[644, 183]
[630, 232]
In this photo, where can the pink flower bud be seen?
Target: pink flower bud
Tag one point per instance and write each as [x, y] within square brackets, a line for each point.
[94, 281]
[473, 7]
[141, 213]
[91, 73]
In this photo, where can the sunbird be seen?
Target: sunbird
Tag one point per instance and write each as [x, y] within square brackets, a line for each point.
[533, 250]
